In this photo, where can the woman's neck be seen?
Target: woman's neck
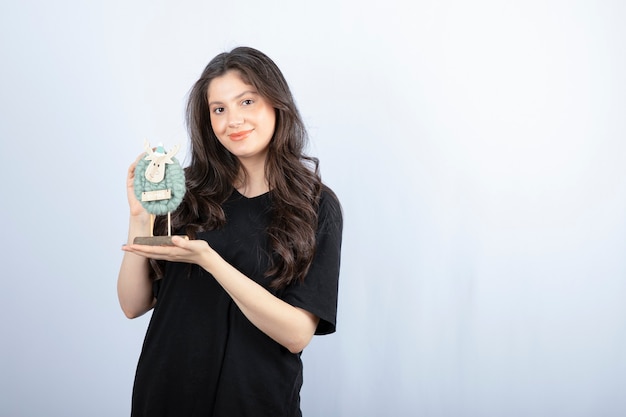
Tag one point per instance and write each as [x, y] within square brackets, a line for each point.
[252, 181]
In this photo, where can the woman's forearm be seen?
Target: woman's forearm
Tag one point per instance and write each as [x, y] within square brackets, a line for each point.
[134, 287]
[290, 326]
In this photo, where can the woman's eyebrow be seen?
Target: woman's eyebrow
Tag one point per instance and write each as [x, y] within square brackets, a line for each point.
[237, 97]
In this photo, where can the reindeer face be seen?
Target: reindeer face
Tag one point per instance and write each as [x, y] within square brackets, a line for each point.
[155, 172]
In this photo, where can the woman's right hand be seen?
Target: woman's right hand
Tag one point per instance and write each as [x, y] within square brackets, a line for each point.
[136, 209]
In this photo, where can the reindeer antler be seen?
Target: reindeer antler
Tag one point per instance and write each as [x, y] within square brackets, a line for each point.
[148, 148]
[169, 155]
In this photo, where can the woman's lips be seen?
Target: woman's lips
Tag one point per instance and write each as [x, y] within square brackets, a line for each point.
[240, 135]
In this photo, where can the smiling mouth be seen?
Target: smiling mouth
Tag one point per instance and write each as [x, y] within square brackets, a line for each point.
[240, 135]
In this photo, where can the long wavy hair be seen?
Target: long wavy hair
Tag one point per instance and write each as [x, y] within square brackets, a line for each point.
[293, 177]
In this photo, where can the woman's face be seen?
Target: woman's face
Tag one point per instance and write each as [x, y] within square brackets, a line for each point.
[242, 120]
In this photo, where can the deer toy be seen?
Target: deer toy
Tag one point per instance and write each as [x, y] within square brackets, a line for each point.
[159, 186]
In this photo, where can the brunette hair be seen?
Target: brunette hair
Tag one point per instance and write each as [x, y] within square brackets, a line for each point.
[293, 177]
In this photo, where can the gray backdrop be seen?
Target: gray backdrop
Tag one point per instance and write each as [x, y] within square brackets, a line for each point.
[478, 150]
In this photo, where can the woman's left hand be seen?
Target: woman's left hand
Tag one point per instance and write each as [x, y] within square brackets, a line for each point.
[182, 250]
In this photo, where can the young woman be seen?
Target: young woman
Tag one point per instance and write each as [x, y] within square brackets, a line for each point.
[237, 302]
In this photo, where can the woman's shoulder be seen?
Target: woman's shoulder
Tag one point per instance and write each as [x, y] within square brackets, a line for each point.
[328, 196]
[329, 206]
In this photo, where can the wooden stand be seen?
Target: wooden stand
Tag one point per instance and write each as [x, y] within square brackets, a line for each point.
[154, 241]
[157, 240]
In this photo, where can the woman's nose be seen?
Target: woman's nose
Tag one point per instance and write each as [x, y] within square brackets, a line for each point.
[235, 119]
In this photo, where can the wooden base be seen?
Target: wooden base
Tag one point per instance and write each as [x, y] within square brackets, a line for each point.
[155, 240]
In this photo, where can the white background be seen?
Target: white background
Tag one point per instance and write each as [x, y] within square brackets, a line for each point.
[478, 149]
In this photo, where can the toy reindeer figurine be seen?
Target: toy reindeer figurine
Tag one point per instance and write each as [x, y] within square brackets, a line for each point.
[160, 187]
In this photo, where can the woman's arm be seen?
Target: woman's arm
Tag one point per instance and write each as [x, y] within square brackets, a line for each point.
[134, 287]
[290, 326]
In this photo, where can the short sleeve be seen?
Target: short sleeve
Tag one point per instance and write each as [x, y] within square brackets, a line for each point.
[318, 292]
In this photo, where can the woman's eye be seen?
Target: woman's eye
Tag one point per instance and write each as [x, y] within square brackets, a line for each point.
[247, 102]
[218, 110]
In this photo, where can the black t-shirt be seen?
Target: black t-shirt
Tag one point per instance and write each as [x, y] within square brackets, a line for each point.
[201, 356]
